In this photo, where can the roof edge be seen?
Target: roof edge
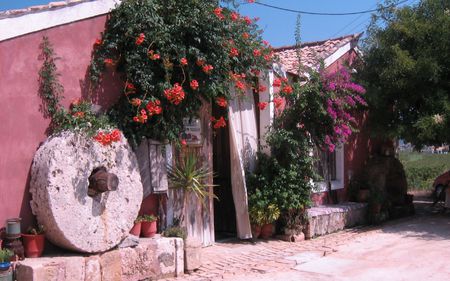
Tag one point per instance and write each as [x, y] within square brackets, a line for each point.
[354, 36]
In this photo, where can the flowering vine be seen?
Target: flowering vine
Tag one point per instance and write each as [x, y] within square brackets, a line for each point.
[191, 53]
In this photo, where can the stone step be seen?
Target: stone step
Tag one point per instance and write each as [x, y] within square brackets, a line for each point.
[153, 258]
[327, 219]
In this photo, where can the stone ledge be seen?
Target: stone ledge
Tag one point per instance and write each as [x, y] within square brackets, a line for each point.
[153, 258]
[331, 218]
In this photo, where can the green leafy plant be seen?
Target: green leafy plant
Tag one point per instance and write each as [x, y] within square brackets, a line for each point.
[174, 56]
[36, 230]
[80, 116]
[149, 218]
[139, 219]
[6, 255]
[189, 176]
[175, 231]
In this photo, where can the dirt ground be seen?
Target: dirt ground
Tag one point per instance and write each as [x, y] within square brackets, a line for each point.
[413, 248]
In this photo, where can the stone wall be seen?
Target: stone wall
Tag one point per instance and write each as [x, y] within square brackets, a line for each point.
[153, 258]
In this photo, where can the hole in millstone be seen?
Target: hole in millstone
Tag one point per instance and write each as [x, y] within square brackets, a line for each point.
[101, 181]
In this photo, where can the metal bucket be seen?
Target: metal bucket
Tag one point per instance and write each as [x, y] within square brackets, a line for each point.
[13, 228]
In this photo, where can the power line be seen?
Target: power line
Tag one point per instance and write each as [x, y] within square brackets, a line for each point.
[328, 14]
[353, 21]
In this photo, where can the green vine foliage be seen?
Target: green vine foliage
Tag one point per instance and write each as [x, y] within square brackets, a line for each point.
[159, 44]
[80, 116]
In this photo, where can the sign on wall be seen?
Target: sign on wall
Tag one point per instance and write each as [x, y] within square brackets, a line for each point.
[192, 133]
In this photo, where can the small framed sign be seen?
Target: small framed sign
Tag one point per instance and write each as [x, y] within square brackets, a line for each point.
[192, 133]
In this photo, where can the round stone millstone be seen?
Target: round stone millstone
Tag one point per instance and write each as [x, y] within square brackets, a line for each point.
[59, 188]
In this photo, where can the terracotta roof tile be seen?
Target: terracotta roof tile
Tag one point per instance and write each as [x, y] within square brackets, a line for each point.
[39, 8]
[312, 52]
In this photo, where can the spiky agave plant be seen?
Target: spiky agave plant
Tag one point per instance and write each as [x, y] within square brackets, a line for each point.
[190, 177]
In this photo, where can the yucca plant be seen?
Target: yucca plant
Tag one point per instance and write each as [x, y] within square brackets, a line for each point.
[190, 177]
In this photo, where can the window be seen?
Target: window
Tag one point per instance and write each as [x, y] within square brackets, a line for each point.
[335, 161]
[329, 158]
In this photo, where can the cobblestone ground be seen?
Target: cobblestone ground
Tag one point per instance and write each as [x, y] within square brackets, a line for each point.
[412, 248]
[226, 260]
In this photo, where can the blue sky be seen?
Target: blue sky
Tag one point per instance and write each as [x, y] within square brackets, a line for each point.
[279, 26]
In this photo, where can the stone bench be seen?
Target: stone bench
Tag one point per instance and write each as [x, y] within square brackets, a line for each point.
[331, 218]
[153, 258]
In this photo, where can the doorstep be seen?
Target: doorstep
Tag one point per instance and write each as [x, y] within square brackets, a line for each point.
[153, 258]
[327, 219]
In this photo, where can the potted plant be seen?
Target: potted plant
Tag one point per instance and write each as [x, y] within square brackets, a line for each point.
[256, 220]
[136, 230]
[34, 242]
[148, 227]
[5, 257]
[270, 214]
[189, 176]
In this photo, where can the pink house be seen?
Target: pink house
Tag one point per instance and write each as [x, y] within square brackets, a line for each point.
[73, 27]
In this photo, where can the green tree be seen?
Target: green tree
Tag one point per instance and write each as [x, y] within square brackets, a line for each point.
[406, 71]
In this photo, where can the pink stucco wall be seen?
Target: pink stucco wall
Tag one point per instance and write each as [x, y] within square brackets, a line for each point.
[22, 125]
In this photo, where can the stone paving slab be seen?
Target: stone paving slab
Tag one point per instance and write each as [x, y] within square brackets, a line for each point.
[227, 260]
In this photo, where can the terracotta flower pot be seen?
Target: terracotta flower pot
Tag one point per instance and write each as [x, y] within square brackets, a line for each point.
[136, 230]
[148, 229]
[256, 231]
[267, 231]
[33, 245]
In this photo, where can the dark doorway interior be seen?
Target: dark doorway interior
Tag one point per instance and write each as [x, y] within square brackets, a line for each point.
[224, 210]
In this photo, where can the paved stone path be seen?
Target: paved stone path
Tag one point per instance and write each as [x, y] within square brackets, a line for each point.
[413, 248]
[232, 258]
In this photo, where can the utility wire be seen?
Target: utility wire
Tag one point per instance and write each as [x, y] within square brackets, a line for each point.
[328, 14]
[353, 21]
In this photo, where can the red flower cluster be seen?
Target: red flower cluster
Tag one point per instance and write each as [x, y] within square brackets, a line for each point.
[175, 95]
[154, 107]
[136, 102]
[277, 83]
[234, 16]
[287, 89]
[278, 102]
[108, 138]
[184, 61]
[108, 61]
[262, 105]
[194, 85]
[262, 88]
[219, 123]
[207, 68]
[78, 114]
[151, 55]
[240, 85]
[141, 118]
[218, 13]
[221, 101]
[234, 52]
[247, 20]
[98, 42]
[256, 52]
[140, 39]
[129, 88]
[245, 35]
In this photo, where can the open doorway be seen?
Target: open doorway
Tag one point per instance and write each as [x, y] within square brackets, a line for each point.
[224, 209]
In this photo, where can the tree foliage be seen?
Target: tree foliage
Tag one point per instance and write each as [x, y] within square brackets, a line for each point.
[406, 71]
